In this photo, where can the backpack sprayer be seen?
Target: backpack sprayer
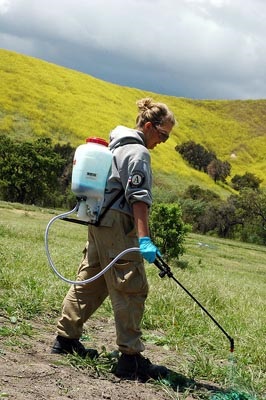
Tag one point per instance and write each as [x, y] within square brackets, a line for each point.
[91, 167]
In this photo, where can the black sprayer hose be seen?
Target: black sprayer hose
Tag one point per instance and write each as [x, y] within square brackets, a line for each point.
[165, 270]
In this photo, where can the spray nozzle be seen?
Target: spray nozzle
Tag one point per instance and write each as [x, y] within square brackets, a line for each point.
[232, 344]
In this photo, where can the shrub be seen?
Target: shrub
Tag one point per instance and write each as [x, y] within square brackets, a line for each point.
[168, 229]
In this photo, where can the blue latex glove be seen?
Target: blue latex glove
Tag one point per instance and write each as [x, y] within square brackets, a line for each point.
[148, 249]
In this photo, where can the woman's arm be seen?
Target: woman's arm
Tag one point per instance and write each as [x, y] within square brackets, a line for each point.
[141, 217]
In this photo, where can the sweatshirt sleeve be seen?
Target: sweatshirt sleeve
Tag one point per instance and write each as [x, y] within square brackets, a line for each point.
[136, 177]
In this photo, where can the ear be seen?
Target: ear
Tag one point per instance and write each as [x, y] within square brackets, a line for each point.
[148, 125]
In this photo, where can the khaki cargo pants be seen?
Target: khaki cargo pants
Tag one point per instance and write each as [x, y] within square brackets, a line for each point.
[125, 282]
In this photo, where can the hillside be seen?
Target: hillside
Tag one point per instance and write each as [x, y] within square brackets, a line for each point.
[40, 99]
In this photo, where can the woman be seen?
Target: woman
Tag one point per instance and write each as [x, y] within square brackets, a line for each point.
[124, 225]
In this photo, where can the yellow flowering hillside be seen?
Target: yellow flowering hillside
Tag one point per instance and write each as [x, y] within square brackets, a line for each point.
[40, 99]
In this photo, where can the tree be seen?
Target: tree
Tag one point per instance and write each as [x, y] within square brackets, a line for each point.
[196, 155]
[248, 180]
[66, 152]
[195, 192]
[253, 203]
[29, 171]
[219, 170]
[192, 211]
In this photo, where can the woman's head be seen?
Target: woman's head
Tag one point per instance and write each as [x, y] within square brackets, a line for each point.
[155, 120]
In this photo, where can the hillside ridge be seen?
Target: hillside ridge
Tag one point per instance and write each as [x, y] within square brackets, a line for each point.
[41, 99]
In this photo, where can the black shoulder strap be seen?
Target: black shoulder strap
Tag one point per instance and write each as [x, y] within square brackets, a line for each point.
[119, 194]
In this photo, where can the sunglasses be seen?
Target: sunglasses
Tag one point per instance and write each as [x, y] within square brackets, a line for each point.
[163, 135]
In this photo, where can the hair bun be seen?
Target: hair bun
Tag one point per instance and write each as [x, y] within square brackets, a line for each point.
[145, 104]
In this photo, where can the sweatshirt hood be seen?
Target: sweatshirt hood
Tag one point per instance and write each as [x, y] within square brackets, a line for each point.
[121, 135]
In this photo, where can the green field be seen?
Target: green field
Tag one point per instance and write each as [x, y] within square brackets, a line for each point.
[227, 277]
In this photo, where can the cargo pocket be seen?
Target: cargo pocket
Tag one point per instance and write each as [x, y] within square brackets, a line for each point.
[129, 277]
[84, 262]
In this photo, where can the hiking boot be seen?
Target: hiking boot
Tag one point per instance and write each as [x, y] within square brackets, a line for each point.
[138, 367]
[64, 345]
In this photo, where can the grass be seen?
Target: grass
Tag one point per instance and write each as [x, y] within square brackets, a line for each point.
[227, 277]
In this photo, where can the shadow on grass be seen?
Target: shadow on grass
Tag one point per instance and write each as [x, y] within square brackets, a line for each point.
[181, 384]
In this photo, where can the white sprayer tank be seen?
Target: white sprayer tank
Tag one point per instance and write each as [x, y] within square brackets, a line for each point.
[91, 166]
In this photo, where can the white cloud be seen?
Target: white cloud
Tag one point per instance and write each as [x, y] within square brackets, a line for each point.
[189, 48]
[4, 6]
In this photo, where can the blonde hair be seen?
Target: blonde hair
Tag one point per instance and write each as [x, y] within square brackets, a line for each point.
[156, 113]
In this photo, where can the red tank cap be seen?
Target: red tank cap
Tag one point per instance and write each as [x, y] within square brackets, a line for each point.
[97, 140]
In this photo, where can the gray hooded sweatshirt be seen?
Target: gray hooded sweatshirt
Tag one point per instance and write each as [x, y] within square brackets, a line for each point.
[131, 174]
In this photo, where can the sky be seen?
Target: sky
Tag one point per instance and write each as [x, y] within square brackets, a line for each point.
[199, 49]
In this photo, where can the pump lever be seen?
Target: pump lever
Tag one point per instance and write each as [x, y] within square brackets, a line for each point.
[163, 267]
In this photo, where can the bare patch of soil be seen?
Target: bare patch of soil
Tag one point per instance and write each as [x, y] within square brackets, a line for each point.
[29, 371]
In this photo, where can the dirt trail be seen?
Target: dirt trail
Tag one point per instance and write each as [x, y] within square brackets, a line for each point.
[29, 371]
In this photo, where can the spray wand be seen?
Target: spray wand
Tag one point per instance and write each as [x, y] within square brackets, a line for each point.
[165, 270]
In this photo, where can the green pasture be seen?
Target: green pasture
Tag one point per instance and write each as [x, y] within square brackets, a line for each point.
[227, 277]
